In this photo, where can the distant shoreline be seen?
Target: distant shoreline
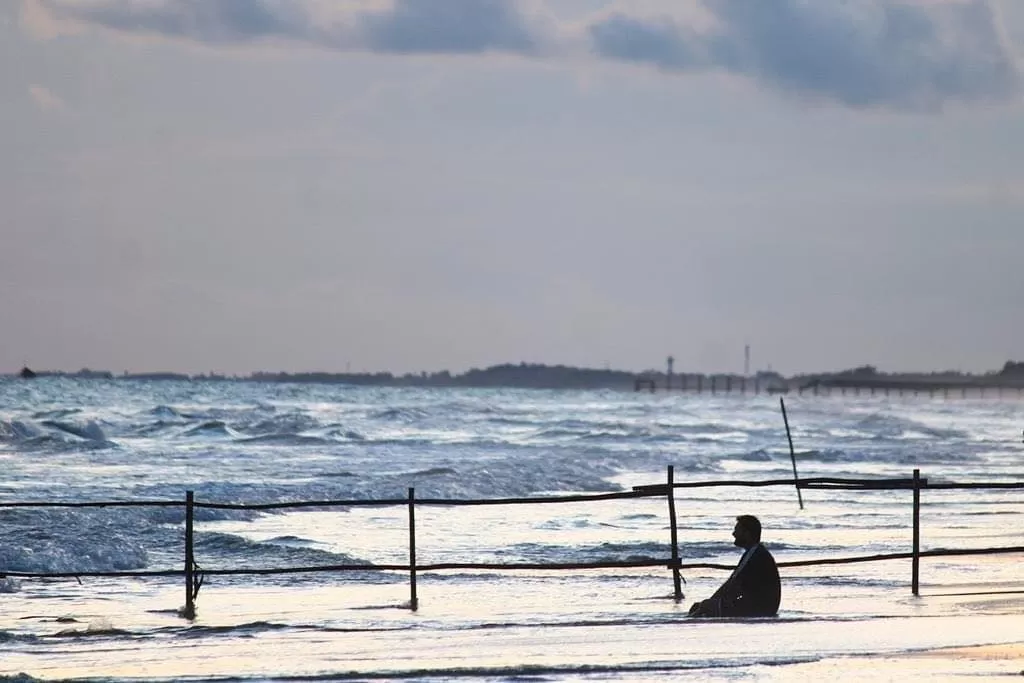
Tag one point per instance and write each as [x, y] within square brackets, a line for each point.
[540, 376]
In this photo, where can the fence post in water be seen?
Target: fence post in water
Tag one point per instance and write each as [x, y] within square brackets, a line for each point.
[189, 611]
[916, 561]
[414, 602]
[792, 453]
[676, 578]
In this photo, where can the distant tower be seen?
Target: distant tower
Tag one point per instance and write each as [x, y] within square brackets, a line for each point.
[668, 375]
[746, 360]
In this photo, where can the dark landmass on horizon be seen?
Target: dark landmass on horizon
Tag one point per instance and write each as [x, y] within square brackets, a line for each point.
[540, 376]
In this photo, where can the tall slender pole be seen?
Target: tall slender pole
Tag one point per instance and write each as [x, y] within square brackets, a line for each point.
[916, 561]
[676, 577]
[189, 611]
[414, 602]
[792, 453]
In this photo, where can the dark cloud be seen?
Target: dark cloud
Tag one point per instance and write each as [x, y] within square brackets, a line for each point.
[861, 53]
[207, 21]
[657, 42]
[408, 26]
[463, 26]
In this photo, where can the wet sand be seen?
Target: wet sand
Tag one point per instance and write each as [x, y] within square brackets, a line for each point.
[1008, 651]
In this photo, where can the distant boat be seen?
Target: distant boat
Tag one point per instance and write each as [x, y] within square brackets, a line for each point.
[26, 373]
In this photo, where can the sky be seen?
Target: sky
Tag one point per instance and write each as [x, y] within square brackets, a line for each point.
[418, 185]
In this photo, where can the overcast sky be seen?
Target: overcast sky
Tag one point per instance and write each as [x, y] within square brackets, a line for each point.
[406, 185]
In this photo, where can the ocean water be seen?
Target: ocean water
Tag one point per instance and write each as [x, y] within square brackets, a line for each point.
[247, 442]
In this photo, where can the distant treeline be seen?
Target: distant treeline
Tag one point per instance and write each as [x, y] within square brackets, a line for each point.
[523, 375]
[540, 376]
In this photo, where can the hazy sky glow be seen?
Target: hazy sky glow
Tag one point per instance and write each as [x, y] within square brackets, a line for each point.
[240, 185]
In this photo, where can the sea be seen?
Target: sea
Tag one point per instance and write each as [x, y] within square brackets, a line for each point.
[245, 442]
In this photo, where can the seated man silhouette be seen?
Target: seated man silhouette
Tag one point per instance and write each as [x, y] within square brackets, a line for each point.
[753, 589]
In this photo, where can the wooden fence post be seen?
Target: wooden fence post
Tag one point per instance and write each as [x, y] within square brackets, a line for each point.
[676, 577]
[916, 561]
[414, 602]
[189, 611]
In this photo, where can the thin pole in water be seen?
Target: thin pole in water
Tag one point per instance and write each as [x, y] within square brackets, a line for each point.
[792, 453]
[414, 602]
[676, 578]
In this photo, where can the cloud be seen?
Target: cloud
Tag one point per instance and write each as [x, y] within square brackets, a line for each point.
[45, 99]
[860, 53]
[403, 26]
[897, 54]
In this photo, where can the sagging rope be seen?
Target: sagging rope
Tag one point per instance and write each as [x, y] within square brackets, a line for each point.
[197, 580]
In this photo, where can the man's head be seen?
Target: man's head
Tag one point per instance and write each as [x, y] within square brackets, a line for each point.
[747, 532]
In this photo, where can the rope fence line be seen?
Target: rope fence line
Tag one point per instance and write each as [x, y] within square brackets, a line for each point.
[512, 566]
[194, 574]
[642, 491]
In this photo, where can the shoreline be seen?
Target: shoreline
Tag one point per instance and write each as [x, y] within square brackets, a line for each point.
[997, 652]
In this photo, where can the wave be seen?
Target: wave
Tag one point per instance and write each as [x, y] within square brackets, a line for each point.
[434, 472]
[541, 672]
[92, 631]
[346, 434]
[270, 553]
[251, 628]
[211, 428]
[405, 415]
[757, 455]
[90, 431]
[58, 434]
[61, 541]
[163, 411]
[285, 440]
[18, 430]
[609, 552]
[55, 414]
[294, 422]
[292, 541]
[886, 426]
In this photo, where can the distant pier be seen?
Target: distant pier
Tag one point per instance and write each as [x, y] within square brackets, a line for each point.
[960, 387]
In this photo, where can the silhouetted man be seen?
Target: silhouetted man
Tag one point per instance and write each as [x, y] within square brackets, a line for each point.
[753, 589]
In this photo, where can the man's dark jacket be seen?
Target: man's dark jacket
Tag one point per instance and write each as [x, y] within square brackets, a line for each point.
[754, 591]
